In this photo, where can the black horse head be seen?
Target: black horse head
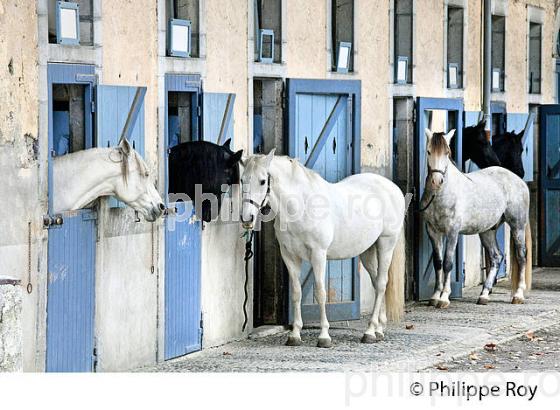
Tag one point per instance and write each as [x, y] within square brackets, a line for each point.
[509, 149]
[477, 148]
[205, 164]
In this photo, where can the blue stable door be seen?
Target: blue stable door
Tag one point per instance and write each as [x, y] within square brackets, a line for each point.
[549, 146]
[71, 243]
[183, 324]
[449, 114]
[323, 136]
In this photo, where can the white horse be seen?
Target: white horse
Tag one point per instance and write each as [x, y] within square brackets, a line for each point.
[316, 220]
[82, 177]
[476, 203]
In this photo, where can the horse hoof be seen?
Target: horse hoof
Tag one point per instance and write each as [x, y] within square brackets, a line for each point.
[442, 304]
[324, 342]
[482, 301]
[379, 336]
[517, 301]
[368, 339]
[293, 341]
[433, 302]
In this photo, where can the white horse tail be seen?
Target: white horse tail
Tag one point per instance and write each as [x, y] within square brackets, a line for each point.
[394, 293]
[528, 264]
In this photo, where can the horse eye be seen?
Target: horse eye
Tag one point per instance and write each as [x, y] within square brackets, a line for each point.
[263, 181]
[429, 153]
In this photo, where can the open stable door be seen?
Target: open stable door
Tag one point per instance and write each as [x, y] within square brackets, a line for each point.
[549, 142]
[120, 109]
[324, 134]
[441, 115]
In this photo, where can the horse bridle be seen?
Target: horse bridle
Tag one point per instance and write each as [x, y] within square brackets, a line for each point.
[438, 171]
[262, 204]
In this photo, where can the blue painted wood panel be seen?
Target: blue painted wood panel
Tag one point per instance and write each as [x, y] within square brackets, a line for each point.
[113, 104]
[549, 144]
[424, 270]
[182, 282]
[309, 110]
[215, 110]
[70, 293]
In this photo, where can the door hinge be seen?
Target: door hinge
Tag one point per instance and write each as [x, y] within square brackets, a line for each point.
[201, 328]
[92, 102]
[199, 110]
[94, 359]
[414, 114]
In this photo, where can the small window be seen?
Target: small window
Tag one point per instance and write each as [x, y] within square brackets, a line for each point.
[183, 28]
[498, 52]
[68, 118]
[343, 35]
[454, 47]
[71, 22]
[268, 31]
[403, 41]
[535, 39]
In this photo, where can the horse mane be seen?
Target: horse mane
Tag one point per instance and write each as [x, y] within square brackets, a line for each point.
[125, 168]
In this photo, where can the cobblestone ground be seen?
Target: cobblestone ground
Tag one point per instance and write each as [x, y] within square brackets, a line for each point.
[429, 339]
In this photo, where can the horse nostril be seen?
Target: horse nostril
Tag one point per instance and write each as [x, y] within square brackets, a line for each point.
[161, 207]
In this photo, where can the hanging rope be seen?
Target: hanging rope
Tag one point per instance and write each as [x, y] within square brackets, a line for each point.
[248, 255]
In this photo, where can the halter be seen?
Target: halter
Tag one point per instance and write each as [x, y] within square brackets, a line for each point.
[438, 171]
[255, 204]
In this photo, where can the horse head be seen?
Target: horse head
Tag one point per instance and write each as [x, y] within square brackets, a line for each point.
[256, 187]
[136, 188]
[477, 147]
[438, 155]
[509, 149]
[202, 171]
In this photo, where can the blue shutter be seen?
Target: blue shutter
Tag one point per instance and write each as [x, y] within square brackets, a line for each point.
[217, 117]
[113, 106]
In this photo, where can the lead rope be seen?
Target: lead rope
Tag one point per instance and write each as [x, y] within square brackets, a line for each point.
[248, 255]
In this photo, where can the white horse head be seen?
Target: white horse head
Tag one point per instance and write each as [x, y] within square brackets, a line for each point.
[437, 148]
[136, 187]
[255, 182]
[82, 177]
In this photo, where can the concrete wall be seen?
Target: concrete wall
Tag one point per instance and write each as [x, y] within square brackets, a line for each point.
[11, 346]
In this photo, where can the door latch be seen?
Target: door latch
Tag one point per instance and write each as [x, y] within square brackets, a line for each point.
[49, 221]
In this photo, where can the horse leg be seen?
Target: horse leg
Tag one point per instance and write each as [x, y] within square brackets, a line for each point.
[369, 260]
[293, 263]
[448, 262]
[319, 263]
[490, 244]
[436, 239]
[385, 247]
[521, 256]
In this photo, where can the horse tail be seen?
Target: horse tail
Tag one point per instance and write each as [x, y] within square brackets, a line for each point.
[394, 293]
[528, 263]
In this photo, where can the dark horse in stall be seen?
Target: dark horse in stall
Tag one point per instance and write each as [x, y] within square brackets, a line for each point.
[210, 166]
[505, 150]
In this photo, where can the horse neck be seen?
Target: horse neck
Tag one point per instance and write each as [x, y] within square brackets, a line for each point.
[80, 178]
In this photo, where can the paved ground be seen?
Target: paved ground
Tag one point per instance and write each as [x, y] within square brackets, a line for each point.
[428, 339]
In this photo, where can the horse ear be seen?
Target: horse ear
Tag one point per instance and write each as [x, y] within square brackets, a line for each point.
[269, 157]
[125, 147]
[429, 134]
[448, 137]
[235, 158]
[227, 144]
[481, 125]
[520, 135]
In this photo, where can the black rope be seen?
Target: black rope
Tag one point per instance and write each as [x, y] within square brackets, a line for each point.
[248, 256]
[427, 206]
